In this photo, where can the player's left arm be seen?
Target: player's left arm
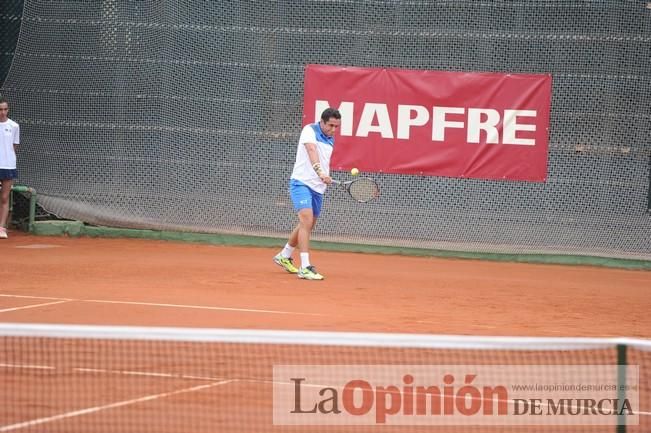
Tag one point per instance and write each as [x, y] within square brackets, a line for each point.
[16, 138]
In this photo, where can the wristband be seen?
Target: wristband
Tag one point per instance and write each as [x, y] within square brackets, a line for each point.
[317, 168]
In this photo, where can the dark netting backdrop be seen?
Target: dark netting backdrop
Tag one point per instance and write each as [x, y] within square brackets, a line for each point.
[184, 115]
[9, 29]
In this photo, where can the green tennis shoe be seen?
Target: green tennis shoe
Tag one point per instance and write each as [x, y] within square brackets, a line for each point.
[285, 263]
[309, 273]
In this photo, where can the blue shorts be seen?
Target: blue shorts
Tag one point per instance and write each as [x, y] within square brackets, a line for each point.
[304, 197]
[8, 174]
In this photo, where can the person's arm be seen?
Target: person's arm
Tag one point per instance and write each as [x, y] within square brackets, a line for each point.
[16, 138]
[316, 165]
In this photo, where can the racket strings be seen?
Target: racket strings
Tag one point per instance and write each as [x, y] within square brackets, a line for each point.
[364, 190]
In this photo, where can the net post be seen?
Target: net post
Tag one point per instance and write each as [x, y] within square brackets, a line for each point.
[622, 363]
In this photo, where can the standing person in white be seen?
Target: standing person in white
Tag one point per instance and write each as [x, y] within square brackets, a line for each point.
[308, 182]
[9, 139]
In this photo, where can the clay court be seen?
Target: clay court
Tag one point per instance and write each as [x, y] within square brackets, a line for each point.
[160, 283]
[151, 143]
[59, 280]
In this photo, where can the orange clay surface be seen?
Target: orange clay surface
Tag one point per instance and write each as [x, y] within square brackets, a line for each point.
[161, 283]
[107, 386]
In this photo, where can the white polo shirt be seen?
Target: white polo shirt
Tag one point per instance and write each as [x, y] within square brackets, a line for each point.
[303, 170]
[9, 135]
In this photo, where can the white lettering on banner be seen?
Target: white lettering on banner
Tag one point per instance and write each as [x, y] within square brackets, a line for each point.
[366, 123]
[439, 124]
[511, 126]
[375, 118]
[475, 125]
[405, 121]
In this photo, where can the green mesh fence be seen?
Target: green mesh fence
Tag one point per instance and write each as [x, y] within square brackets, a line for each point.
[185, 115]
[10, 15]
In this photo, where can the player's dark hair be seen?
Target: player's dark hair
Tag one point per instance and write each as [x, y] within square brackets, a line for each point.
[329, 113]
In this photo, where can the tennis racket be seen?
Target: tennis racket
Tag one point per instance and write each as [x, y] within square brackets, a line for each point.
[363, 189]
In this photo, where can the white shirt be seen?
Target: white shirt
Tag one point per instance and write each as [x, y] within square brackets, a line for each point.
[9, 135]
[303, 170]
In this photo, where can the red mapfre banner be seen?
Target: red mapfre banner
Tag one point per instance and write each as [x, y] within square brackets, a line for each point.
[456, 124]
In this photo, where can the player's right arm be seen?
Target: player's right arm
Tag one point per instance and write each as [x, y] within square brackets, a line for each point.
[316, 165]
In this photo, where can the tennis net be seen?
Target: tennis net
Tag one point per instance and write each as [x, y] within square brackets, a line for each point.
[69, 378]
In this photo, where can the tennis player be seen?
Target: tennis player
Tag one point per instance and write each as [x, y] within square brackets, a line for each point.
[308, 182]
[9, 139]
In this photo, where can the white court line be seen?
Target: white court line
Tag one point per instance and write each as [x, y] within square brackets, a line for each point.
[38, 246]
[200, 307]
[116, 372]
[24, 307]
[34, 297]
[35, 367]
[155, 304]
[144, 373]
[94, 409]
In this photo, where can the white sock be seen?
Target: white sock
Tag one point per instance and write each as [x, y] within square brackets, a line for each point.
[287, 251]
[305, 260]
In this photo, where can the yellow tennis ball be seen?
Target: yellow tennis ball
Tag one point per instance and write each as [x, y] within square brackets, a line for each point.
[354, 171]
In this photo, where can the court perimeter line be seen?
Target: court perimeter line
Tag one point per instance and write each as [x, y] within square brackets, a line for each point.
[34, 297]
[24, 307]
[145, 373]
[200, 307]
[109, 406]
[116, 372]
[155, 304]
[35, 367]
